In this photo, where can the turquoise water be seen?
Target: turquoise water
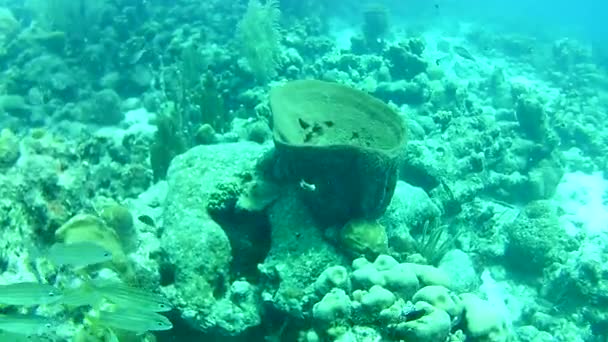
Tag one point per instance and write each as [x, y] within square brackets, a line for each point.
[303, 171]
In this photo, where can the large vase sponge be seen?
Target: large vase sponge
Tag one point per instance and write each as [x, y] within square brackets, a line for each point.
[340, 144]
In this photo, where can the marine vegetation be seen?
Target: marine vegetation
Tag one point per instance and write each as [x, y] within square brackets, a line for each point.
[259, 37]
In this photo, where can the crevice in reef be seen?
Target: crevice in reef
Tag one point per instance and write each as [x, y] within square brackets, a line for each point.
[249, 235]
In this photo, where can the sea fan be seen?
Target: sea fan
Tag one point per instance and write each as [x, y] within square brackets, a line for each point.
[259, 36]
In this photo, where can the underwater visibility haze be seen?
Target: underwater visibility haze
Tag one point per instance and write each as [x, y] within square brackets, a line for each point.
[303, 171]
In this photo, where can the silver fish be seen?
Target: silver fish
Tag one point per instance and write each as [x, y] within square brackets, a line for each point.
[132, 297]
[131, 320]
[78, 255]
[28, 325]
[464, 53]
[29, 294]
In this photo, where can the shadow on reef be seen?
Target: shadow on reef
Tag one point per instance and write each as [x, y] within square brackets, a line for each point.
[248, 231]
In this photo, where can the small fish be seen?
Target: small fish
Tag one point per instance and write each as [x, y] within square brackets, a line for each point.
[78, 255]
[145, 219]
[83, 295]
[29, 294]
[464, 53]
[136, 56]
[307, 186]
[134, 321]
[132, 297]
[26, 324]
[414, 315]
[111, 336]
[441, 60]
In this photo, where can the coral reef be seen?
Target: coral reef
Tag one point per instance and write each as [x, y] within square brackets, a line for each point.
[410, 301]
[197, 248]
[247, 162]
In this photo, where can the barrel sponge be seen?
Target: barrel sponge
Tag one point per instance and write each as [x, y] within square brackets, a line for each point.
[342, 143]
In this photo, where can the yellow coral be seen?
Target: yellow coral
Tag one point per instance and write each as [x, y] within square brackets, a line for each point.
[90, 228]
[364, 237]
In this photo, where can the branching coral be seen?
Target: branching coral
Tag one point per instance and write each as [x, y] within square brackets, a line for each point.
[168, 142]
[191, 112]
